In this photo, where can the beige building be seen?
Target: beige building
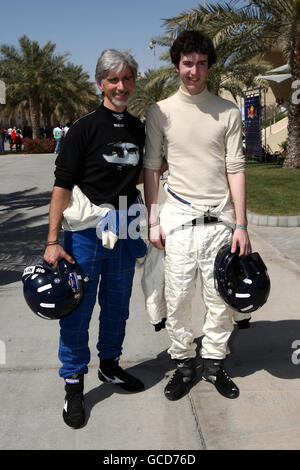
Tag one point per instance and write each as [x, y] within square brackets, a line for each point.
[274, 98]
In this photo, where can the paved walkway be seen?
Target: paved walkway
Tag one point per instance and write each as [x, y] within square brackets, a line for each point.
[264, 361]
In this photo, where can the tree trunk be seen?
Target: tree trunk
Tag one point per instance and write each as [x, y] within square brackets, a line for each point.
[46, 111]
[34, 104]
[292, 159]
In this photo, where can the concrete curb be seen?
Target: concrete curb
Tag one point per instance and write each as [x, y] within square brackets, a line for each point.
[273, 220]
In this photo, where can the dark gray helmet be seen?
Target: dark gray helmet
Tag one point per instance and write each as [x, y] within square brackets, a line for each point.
[52, 293]
[243, 282]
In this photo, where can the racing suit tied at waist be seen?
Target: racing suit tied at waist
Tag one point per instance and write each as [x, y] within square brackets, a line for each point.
[175, 213]
[82, 214]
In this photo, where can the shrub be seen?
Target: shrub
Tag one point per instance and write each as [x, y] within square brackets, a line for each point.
[40, 145]
[283, 145]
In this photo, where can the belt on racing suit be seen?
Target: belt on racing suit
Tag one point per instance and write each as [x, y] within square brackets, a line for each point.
[206, 219]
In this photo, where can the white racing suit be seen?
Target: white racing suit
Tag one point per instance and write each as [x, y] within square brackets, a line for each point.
[190, 249]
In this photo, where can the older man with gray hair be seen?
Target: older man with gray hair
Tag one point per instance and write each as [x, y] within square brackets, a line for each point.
[102, 158]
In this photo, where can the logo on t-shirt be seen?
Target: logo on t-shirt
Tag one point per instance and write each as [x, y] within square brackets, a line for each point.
[57, 133]
[119, 117]
[122, 153]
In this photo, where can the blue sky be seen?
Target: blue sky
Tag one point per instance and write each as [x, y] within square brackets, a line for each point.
[84, 28]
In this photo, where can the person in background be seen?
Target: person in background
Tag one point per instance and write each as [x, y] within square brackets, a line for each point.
[2, 139]
[18, 140]
[57, 134]
[13, 137]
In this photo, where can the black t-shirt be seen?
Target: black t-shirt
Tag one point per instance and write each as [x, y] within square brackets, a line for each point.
[102, 153]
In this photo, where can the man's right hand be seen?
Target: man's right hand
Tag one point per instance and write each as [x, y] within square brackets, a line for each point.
[54, 253]
[156, 237]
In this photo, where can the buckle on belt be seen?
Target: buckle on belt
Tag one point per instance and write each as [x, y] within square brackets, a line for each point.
[207, 219]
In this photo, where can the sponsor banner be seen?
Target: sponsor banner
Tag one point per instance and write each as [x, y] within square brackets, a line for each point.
[253, 126]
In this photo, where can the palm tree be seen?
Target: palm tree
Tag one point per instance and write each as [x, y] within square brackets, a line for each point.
[76, 96]
[38, 79]
[255, 29]
[28, 72]
[154, 86]
[15, 98]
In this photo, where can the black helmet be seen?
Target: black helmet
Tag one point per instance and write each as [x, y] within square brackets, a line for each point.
[242, 282]
[52, 293]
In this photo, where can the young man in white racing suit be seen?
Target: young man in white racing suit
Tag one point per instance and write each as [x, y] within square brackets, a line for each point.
[200, 135]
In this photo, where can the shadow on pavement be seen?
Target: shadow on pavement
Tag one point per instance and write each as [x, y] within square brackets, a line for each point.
[22, 233]
[151, 372]
[266, 345]
[24, 200]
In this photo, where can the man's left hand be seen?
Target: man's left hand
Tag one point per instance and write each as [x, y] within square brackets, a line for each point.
[241, 238]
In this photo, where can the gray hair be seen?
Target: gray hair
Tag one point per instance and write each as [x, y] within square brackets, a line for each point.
[111, 59]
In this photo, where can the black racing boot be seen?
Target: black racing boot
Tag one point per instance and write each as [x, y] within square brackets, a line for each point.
[110, 371]
[159, 326]
[243, 324]
[215, 373]
[182, 379]
[73, 412]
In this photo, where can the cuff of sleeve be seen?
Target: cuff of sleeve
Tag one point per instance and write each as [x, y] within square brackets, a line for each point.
[151, 166]
[235, 165]
[63, 184]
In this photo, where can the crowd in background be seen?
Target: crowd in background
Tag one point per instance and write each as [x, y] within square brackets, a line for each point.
[15, 136]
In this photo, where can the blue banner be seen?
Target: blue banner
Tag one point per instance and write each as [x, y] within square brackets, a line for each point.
[253, 126]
